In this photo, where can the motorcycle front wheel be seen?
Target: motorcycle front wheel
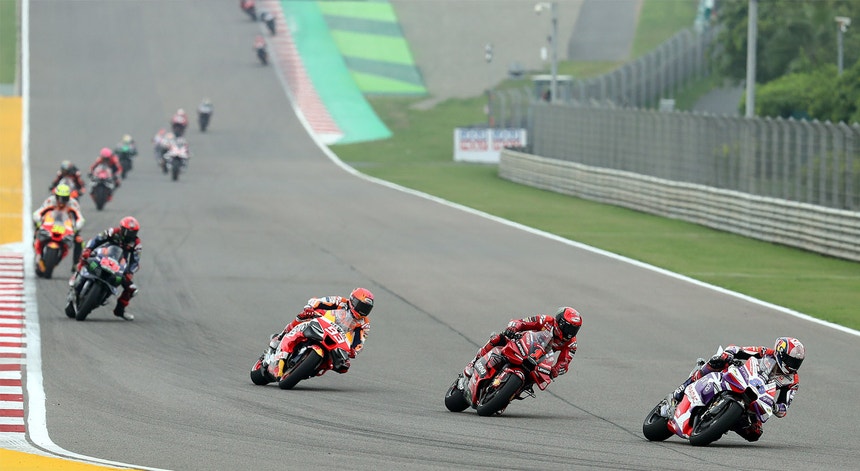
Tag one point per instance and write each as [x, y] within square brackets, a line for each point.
[92, 296]
[496, 400]
[304, 368]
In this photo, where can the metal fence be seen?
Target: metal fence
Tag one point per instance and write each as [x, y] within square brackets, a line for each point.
[639, 84]
[805, 161]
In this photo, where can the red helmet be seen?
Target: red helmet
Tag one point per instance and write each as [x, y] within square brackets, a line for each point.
[360, 302]
[569, 321]
[105, 153]
[789, 354]
[128, 228]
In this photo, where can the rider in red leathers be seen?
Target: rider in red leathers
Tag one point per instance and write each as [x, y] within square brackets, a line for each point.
[107, 157]
[351, 314]
[780, 363]
[564, 325]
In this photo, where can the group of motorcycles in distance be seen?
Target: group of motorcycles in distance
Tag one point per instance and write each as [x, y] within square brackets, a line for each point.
[250, 9]
[57, 230]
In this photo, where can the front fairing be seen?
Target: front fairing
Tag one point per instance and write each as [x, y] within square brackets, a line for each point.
[107, 265]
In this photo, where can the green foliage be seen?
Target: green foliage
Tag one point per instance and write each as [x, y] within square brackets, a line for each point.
[8, 41]
[797, 95]
[793, 36]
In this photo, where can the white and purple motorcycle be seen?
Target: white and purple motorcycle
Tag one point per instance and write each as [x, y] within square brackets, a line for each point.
[714, 405]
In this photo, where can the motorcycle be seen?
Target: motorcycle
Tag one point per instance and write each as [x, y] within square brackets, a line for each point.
[103, 185]
[204, 114]
[125, 154]
[263, 55]
[506, 373]
[249, 8]
[178, 128]
[175, 159]
[715, 404]
[100, 277]
[56, 233]
[309, 349]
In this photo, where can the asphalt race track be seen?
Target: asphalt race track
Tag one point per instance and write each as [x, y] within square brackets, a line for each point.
[263, 220]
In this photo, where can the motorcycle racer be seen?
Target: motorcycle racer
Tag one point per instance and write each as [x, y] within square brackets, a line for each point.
[70, 171]
[780, 363]
[564, 326]
[351, 314]
[61, 200]
[125, 236]
[107, 157]
[179, 122]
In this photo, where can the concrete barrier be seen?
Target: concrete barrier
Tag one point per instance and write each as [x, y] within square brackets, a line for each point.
[818, 229]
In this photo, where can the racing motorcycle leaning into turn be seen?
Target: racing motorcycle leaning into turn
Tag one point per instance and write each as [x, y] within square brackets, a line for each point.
[507, 372]
[310, 349]
[715, 404]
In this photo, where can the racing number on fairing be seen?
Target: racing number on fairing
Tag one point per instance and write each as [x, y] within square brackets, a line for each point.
[335, 332]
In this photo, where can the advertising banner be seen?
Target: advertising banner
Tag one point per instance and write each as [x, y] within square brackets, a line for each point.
[483, 145]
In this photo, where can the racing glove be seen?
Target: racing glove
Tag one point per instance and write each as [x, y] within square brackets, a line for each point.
[509, 333]
[307, 313]
[86, 254]
[718, 362]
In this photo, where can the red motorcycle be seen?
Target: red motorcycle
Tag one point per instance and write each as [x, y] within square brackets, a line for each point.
[103, 185]
[506, 373]
[310, 349]
[55, 235]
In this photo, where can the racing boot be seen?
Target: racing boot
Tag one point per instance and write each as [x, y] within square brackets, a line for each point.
[119, 311]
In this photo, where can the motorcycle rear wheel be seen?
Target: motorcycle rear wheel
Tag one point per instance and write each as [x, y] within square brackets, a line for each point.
[50, 259]
[305, 367]
[656, 427]
[716, 421]
[455, 401]
[496, 400]
[100, 196]
[259, 375]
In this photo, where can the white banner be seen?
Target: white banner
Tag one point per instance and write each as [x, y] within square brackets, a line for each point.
[485, 144]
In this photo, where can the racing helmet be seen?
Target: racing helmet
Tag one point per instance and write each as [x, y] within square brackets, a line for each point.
[789, 354]
[105, 153]
[360, 302]
[127, 140]
[66, 166]
[128, 228]
[62, 193]
[569, 321]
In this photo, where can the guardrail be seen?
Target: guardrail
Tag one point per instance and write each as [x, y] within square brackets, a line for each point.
[828, 231]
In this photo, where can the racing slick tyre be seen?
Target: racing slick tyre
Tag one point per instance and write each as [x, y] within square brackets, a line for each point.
[656, 427]
[50, 259]
[304, 368]
[259, 375]
[92, 296]
[455, 401]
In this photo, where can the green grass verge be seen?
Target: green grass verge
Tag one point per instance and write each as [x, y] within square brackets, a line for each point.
[8, 40]
[420, 156]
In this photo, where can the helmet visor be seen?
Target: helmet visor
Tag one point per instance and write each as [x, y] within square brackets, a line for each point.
[360, 307]
[791, 364]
